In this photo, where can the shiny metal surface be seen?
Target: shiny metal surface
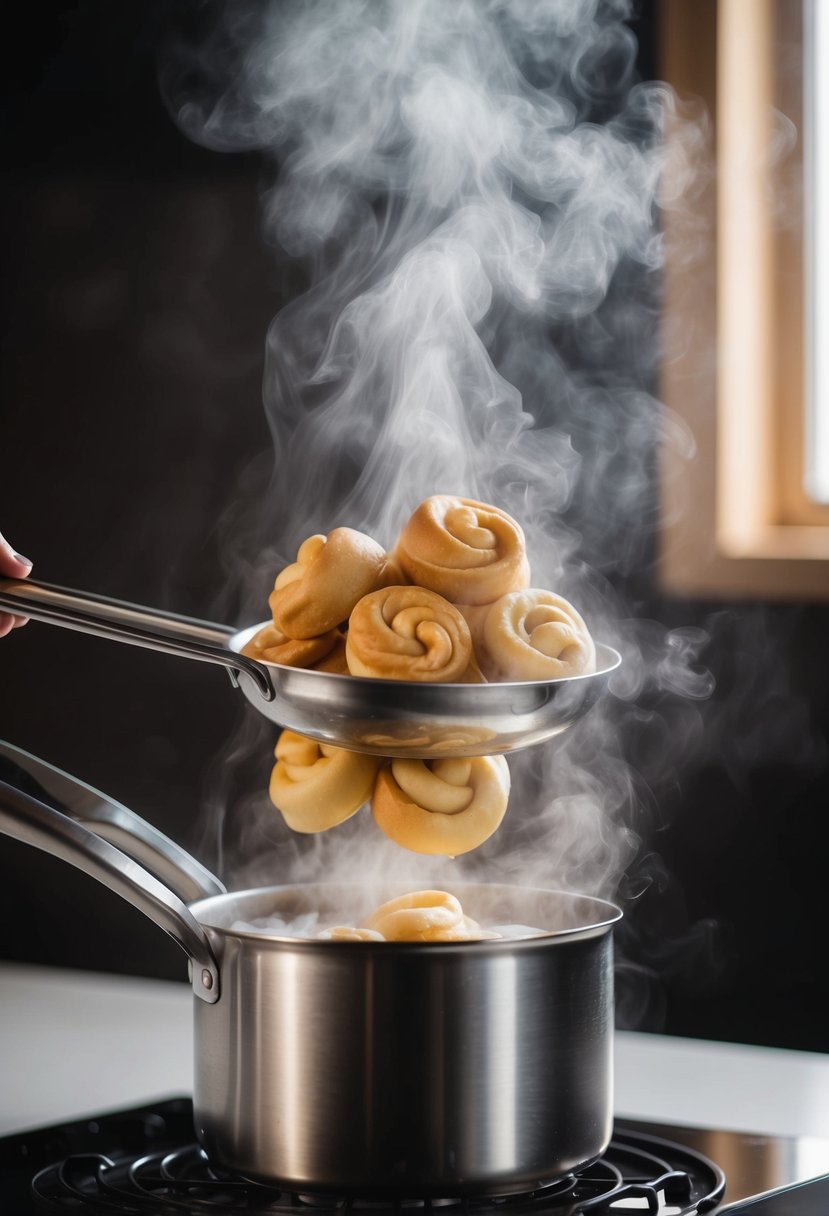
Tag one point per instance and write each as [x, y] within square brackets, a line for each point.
[436, 1068]
[426, 721]
[64, 835]
[378, 717]
[131, 623]
[753, 1164]
[166, 860]
[478, 1066]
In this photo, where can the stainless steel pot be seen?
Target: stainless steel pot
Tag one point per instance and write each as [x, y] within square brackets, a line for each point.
[367, 1067]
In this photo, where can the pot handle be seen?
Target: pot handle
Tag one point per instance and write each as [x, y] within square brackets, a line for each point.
[170, 863]
[27, 819]
[123, 622]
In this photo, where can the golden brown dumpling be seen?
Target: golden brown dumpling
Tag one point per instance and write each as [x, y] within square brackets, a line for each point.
[408, 633]
[318, 591]
[335, 660]
[270, 645]
[467, 551]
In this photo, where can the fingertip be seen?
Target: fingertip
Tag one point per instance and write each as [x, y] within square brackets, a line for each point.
[12, 564]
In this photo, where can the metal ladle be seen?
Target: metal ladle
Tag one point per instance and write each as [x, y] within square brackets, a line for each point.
[378, 717]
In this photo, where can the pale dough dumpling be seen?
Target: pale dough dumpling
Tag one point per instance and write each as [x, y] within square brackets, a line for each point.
[424, 916]
[316, 786]
[442, 807]
[535, 635]
[344, 933]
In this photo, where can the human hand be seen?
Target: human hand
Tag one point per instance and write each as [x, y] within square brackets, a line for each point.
[12, 565]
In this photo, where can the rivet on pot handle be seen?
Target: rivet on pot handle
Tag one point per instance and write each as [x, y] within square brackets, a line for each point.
[33, 822]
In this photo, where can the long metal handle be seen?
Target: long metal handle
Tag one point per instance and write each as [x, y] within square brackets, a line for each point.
[33, 822]
[92, 809]
[132, 623]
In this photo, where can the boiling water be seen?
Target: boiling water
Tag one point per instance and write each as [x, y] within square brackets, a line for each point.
[309, 925]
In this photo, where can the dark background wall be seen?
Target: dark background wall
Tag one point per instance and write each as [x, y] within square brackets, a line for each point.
[137, 293]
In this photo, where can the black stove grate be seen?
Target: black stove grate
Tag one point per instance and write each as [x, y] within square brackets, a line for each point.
[144, 1163]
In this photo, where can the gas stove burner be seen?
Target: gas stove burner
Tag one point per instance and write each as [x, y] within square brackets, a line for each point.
[182, 1181]
[148, 1164]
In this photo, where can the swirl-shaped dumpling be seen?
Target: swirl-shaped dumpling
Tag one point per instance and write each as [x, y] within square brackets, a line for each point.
[408, 633]
[316, 786]
[319, 590]
[270, 645]
[442, 807]
[535, 635]
[424, 916]
[466, 551]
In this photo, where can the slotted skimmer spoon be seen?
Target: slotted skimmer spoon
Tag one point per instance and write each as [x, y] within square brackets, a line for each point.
[379, 717]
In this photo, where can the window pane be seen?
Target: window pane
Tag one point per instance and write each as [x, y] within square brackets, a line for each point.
[816, 111]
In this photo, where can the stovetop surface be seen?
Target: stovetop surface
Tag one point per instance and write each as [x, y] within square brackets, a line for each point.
[144, 1160]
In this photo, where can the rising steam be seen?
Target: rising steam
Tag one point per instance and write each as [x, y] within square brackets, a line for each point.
[471, 188]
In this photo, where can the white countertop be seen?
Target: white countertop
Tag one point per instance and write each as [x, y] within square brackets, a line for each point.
[75, 1043]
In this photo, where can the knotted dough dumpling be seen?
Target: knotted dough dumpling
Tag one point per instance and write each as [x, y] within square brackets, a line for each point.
[331, 573]
[408, 633]
[535, 635]
[425, 916]
[270, 645]
[316, 786]
[442, 807]
[467, 551]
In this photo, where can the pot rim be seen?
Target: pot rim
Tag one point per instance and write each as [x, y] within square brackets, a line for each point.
[608, 913]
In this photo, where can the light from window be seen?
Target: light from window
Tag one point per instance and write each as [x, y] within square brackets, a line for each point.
[748, 331]
[816, 110]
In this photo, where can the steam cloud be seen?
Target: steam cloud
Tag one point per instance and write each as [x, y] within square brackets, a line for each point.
[471, 189]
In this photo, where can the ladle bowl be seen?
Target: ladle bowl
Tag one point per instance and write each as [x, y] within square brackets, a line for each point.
[379, 717]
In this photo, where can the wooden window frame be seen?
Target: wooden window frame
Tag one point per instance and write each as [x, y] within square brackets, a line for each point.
[736, 520]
